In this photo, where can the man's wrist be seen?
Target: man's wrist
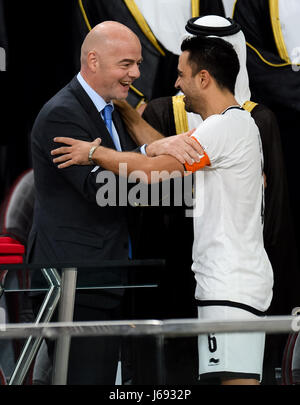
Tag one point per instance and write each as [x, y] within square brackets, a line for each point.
[91, 152]
[143, 149]
[149, 149]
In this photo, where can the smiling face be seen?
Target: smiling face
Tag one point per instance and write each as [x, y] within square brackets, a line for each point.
[187, 83]
[111, 56]
[117, 68]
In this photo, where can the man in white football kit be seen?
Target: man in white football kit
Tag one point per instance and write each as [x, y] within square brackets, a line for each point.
[233, 273]
[234, 276]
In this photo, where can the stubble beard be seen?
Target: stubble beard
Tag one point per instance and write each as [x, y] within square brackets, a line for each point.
[188, 104]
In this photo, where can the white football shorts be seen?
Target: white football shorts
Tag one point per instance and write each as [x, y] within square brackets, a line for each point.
[230, 355]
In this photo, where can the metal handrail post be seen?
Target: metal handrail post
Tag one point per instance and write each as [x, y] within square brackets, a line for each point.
[45, 313]
[66, 312]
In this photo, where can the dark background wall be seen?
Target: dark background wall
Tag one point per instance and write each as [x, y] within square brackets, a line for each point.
[40, 38]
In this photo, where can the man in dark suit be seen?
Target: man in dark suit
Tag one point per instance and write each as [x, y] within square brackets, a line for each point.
[68, 225]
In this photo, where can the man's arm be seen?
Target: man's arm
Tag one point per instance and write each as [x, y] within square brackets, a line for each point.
[77, 152]
[140, 131]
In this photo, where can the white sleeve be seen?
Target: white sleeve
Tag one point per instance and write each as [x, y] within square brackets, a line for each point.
[212, 136]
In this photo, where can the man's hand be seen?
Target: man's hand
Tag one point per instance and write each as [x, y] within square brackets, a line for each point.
[77, 153]
[140, 131]
[183, 147]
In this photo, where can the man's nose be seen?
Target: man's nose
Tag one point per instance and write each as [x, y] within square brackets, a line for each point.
[134, 72]
[176, 85]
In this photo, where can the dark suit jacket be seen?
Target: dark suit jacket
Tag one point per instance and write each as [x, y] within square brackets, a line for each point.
[68, 225]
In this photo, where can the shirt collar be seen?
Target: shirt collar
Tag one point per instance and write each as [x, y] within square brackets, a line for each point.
[99, 102]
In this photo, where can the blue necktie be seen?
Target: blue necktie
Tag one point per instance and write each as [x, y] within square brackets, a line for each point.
[107, 115]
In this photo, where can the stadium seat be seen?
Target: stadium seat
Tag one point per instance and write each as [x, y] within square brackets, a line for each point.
[16, 213]
[17, 209]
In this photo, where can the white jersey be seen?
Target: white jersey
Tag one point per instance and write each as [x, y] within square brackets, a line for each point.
[229, 259]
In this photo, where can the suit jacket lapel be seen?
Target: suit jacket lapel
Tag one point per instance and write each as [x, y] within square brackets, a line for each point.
[100, 128]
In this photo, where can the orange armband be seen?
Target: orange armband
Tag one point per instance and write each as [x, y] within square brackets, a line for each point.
[204, 161]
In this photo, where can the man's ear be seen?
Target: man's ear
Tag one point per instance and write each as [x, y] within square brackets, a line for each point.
[92, 61]
[203, 78]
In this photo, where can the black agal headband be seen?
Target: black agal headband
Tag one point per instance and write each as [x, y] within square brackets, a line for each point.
[203, 30]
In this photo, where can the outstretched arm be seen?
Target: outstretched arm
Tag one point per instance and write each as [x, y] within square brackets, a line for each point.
[77, 152]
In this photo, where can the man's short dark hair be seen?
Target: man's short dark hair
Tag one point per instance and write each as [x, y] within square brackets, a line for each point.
[216, 56]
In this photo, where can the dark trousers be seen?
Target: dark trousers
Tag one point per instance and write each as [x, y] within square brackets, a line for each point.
[94, 360]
